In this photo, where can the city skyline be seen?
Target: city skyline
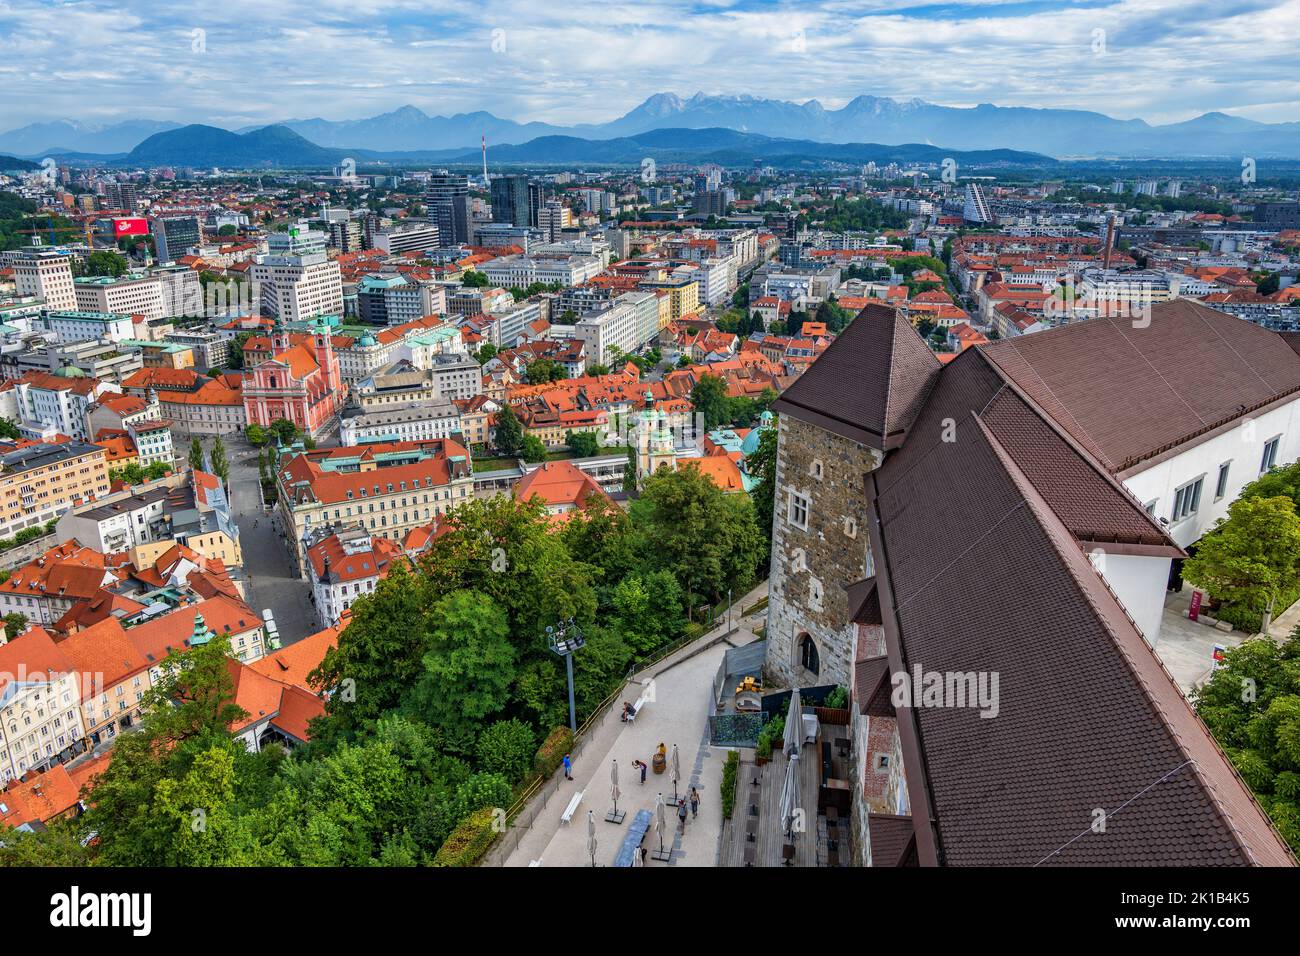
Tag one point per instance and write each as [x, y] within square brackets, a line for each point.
[1160, 62]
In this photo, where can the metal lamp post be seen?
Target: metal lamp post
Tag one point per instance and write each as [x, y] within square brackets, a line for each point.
[564, 640]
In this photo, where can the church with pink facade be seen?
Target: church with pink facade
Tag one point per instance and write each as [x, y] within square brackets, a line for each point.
[301, 382]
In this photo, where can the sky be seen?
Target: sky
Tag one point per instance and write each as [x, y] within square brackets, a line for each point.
[244, 62]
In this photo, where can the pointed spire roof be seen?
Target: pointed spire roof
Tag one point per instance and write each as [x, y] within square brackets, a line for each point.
[201, 633]
[891, 370]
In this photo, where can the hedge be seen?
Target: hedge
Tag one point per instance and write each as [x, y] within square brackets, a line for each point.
[469, 841]
[551, 753]
[28, 534]
[730, 770]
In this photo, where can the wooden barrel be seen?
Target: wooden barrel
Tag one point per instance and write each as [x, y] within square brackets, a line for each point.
[659, 763]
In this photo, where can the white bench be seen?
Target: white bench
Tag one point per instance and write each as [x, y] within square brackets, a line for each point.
[532, 863]
[636, 707]
[572, 808]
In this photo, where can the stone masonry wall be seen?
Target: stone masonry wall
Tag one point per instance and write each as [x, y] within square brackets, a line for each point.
[811, 568]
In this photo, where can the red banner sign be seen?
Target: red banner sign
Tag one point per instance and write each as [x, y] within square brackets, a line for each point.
[1194, 611]
[130, 227]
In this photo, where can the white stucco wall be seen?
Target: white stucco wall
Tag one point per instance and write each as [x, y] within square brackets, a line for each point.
[1139, 583]
[1243, 446]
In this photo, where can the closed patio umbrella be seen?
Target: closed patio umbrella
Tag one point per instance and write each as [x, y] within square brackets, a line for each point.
[660, 821]
[614, 793]
[674, 770]
[793, 726]
[591, 836]
[790, 794]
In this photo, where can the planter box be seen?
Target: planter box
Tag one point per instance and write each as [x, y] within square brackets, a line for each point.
[834, 716]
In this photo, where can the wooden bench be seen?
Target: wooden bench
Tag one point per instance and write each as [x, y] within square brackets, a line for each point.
[572, 808]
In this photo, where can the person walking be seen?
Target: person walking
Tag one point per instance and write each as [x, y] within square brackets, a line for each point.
[695, 803]
[681, 813]
[568, 768]
[640, 765]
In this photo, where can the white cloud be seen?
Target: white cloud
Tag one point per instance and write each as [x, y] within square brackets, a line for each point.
[585, 61]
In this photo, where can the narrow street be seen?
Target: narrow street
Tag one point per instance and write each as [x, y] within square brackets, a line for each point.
[272, 580]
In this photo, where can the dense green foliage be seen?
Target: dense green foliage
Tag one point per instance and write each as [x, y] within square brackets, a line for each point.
[583, 444]
[851, 215]
[101, 263]
[543, 371]
[509, 433]
[28, 534]
[440, 689]
[16, 230]
[1252, 706]
[1250, 560]
[762, 462]
[135, 474]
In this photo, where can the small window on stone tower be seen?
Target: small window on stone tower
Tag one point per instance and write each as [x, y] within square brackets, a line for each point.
[808, 656]
[815, 469]
[797, 510]
[851, 526]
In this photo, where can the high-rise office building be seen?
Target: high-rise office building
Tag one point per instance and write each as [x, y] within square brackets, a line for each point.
[346, 236]
[450, 206]
[120, 196]
[174, 236]
[48, 274]
[536, 200]
[510, 201]
[976, 208]
[297, 280]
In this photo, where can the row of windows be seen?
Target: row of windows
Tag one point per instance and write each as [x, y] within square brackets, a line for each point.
[1187, 497]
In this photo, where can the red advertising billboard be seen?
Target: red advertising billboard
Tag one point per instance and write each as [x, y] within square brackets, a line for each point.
[130, 227]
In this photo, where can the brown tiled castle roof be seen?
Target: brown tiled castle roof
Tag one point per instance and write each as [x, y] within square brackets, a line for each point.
[869, 384]
[980, 528]
[1129, 391]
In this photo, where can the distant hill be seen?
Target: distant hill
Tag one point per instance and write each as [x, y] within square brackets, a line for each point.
[65, 136]
[408, 128]
[11, 164]
[209, 146]
[729, 147]
[864, 119]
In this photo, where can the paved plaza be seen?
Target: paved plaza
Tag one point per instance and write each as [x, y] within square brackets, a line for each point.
[683, 688]
[1187, 647]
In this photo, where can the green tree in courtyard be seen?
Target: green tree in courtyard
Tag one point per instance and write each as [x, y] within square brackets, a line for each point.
[709, 399]
[1252, 556]
[509, 433]
[1251, 705]
[534, 449]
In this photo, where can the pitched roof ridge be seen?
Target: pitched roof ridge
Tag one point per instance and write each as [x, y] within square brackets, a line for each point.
[990, 349]
[1088, 458]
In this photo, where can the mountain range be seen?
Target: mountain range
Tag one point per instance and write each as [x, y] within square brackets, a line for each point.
[281, 146]
[865, 119]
